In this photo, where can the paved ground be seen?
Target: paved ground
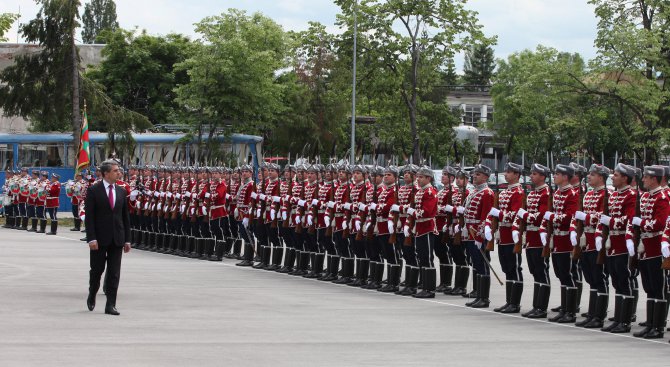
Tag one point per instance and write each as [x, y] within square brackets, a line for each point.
[183, 312]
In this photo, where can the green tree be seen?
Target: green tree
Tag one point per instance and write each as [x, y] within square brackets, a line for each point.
[479, 65]
[138, 72]
[413, 40]
[6, 21]
[99, 15]
[232, 76]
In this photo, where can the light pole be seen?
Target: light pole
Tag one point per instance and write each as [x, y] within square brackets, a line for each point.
[353, 93]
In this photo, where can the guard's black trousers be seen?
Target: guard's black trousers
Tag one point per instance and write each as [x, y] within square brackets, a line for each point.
[510, 262]
[595, 275]
[538, 265]
[653, 278]
[617, 267]
[564, 268]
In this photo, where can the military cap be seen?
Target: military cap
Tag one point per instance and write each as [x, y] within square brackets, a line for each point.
[392, 170]
[667, 170]
[332, 167]
[654, 171]
[565, 169]
[578, 168]
[55, 175]
[625, 170]
[426, 171]
[449, 170]
[600, 170]
[358, 168]
[24, 169]
[345, 167]
[44, 173]
[409, 168]
[480, 168]
[312, 168]
[246, 167]
[35, 172]
[513, 167]
[543, 170]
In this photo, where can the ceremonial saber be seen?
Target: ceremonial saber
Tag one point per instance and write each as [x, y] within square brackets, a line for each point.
[485, 259]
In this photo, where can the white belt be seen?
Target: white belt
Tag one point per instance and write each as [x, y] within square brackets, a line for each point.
[508, 225]
[473, 221]
[216, 207]
[561, 233]
[532, 228]
[617, 233]
[339, 215]
[381, 219]
[424, 220]
[52, 197]
[589, 230]
[650, 234]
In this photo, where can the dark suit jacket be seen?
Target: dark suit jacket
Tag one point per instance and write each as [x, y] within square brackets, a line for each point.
[107, 226]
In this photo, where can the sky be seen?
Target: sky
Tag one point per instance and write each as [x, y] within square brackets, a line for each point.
[568, 25]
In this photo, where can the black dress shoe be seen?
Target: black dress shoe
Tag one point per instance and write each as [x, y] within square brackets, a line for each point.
[111, 310]
[90, 302]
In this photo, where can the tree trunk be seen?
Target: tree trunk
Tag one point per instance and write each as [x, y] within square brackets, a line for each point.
[76, 114]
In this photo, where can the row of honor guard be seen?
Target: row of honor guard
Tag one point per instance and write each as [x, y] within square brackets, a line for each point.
[29, 198]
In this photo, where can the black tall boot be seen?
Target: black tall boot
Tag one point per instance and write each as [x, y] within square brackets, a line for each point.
[648, 324]
[219, 247]
[77, 225]
[600, 312]
[475, 290]
[236, 249]
[317, 266]
[446, 274]
[484, 292]
[411, 281]
[33, 225]
[347, 271]
[171, 243]
[43, 226]
[357, 280]
[636, 298]
[376, 275]
[625, 315]
[8, 221]
[569, 316]
[515, 299]
[312, 261]
[508, 296]
[536, 291]
[263, 260]
[158, 246]
[429, 280]
[277, 254]
[578, 296]
[593, 296]
[248, 255]
[561, 309]
[302, 258]
[333, 268]
[208, 248]
[365, 272]
[289, 259]
[544, 291]
[24, 224]
[54, 227]
[460, 281]
[393, 279]
[658, 322]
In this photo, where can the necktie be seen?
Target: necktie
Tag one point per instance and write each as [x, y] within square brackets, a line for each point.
[111, 197]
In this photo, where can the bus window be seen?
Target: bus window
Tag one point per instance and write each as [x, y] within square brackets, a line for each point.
[6, 156]
[41, 155]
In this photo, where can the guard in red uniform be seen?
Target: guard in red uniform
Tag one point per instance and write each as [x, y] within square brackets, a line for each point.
[621, 211]
[652, 222]
[32, 199]
[565, 203]
[594, 273]
[243, 213]
[218, 215]
[444, 198]
[310, 204]
[405, 198]
[324, 236]
[460, 192]
[510, 200]
[52, 202]
[537, 203]
[234, 176]
[357, 196]
[270, 197]
[384, 227]
[340, 229]
[476, 209]
[285, 230]
[41, 202]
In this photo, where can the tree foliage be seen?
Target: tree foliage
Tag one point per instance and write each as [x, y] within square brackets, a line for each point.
[479, 65]
[6, 21]
[99, 15]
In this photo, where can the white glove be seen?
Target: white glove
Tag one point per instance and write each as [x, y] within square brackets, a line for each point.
[347, 206]
[157, 194]
[445, 228]
[373, 206]
[134, 192]
[487, 233]
[405, 230]
[254, 195]
[262, 196]
[449, 208]
[637, 221]
[361, 207]
[494, 213]
[207, 195]
[411, 211]
[133, 195]
[236, 213]
[599, 243]
[357, 225]
[204, 211]
[367, 227]
[178, 196]
[258, 213]
[605, 220]
[478, 244]
[326, 220]
[273, 214]
[543, 238]
[665, 249]
[162, 194]
[245, 222]
[276, 199]
[160, 206]
[515, 236]
[395, 208]
[573, 238]
[460, 210]
[187, 194]
[521, 213]
[457, 228]
[344, 224]
[169, 194]
[146, 205]
[297, 220]
[284, 215]
[227, 196]
[309, 220]
[192, 211]
[547, 215]
[315, 202]
[181, 210]
[391, 226]
[579, 215]
[331, 204]
[631, 247]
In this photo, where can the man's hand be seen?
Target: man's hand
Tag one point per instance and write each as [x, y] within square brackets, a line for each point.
[93, 245]
[126, 247]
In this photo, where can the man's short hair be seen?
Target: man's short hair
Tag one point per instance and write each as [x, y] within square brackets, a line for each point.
[107, 165]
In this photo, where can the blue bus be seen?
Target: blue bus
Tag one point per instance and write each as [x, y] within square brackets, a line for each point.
[54, 152]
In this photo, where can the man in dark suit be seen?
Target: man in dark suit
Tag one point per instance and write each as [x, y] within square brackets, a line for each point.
[107, 233]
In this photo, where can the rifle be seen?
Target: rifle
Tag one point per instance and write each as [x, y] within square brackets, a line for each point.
[461, 216]
[579, 225]
[494, 222]
[298, 226]
[546, 250]
[276, 207]
[393, 234]
[450, 201]
[518, 246]
[373, 216]
[315, 211]
[633, 261]
[289, 193]
[410, 219]
[602, 254]
[331, 197]
[364, 217]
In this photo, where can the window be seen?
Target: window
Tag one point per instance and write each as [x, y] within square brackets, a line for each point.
[41, 155]
[6, 156]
